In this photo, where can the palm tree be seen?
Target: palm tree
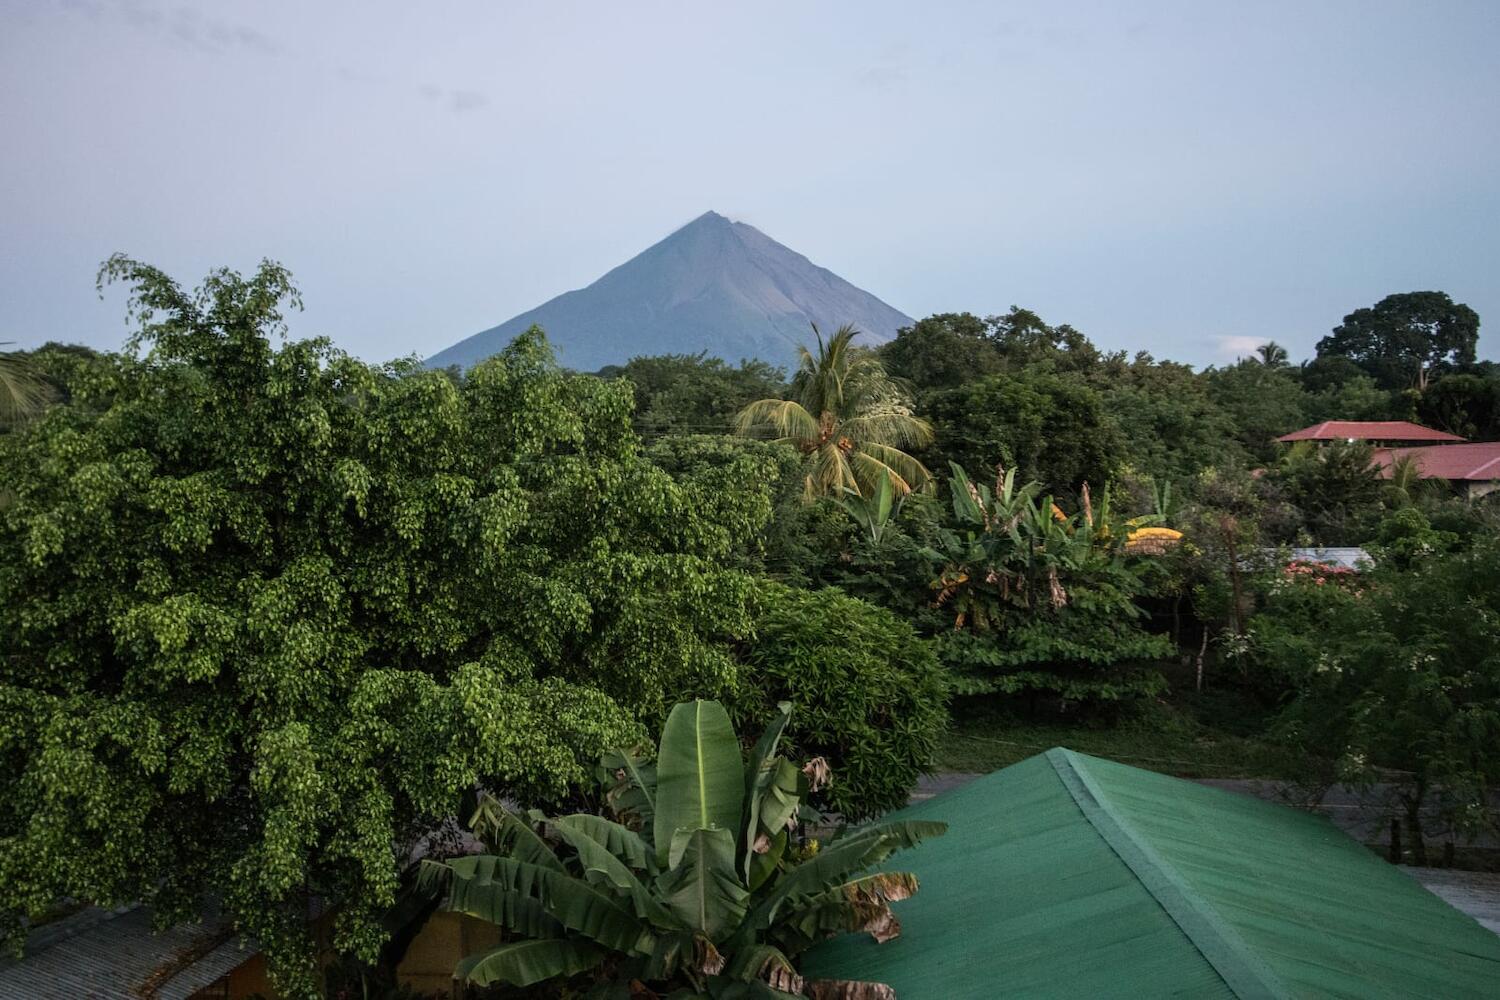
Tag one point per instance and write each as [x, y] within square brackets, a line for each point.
[1272, 354]
[848, 417]
[22, 393]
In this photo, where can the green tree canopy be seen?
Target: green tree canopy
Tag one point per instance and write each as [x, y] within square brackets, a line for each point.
[1466, 405]
[1398, 678]
[1053, 425]
[1171, 426]
[694, 393]
[1404, 336]
[1264, 403]
[267, 612]
[943, 351]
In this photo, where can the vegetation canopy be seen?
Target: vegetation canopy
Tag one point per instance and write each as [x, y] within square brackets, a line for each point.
[695, 885]
[847, 416]
[268, 612]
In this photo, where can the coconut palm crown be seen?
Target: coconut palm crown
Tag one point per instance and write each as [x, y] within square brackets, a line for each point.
[848, 416]
[22, 392]
[696, 888]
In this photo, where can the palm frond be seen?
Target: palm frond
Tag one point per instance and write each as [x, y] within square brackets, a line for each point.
[784, 418]
[22, 392]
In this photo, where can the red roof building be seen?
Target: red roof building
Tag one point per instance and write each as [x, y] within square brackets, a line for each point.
[1377, 432]
[1475, 466]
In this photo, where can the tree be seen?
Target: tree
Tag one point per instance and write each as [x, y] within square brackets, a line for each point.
[1404, 337]
[1263, 402]
[22, 393]
[1041, 603]
[848, 417]
[1023, 339]
[268, 612]
[1398, 679]
[1170, 426]
[694, 393]
[1356, 398]
[1053, 425]
[1272, 354]
[869, 692]
[695, 885]
[1466, 405]
[1336, 487]
[942, 351]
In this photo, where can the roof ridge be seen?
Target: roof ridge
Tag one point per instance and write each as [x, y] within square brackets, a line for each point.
[1245, 973]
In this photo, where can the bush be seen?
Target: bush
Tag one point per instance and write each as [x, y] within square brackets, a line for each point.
[869, 693]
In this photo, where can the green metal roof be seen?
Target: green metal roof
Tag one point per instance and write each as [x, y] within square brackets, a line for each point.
[1067, 876]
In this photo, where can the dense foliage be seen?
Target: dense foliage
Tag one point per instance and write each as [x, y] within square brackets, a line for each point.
[267, 612]
[1402, 338]
[698, 884]
[1395, 673]
[848, 416]
[1053, 426]
[1042, 603]
[868, 691]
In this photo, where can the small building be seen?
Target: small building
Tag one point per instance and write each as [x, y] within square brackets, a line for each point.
[1472, 467]
[1380, 433]
[99, 954]
[1070, 876]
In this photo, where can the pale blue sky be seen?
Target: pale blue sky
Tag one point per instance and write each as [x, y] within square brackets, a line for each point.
[1189, 178]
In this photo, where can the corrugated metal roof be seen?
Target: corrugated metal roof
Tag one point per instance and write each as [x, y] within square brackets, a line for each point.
[114, 955]
[1067, 875]
[1346, 557]
[1368, 430]
[1475, 460]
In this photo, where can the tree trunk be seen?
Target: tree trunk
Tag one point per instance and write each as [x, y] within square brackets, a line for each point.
[1394, 854]
[1198, 682]
[1414, 825]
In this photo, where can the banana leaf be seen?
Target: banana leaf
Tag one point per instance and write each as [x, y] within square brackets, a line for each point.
[523, 963]
[700, 778]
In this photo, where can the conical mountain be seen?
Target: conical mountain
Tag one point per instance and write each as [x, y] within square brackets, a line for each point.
[714, 285]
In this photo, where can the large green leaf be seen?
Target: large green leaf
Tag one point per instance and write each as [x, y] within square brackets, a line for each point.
[508, 834]
[508, 908]
[779, 793]
[601, 866]
[760, 772]
[861, 849]
[572, 902]
[703, 889]
[700, 778]
[523, 963]
[767, 964]
[619, 840]
[632, 797]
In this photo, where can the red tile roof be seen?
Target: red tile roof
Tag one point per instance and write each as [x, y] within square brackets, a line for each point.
[1368, 430]
[1479, 460]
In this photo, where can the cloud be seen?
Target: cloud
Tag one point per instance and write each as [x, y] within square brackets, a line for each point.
[1238, 347]
[466, 100]
[454, 100]
[185, 25]
[883, 77]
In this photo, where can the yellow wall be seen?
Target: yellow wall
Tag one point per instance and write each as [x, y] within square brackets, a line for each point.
[439, 945]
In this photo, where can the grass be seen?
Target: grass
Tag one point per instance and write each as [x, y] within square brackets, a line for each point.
[1213, 737]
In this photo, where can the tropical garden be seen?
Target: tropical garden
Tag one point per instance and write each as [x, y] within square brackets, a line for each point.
[630, 663]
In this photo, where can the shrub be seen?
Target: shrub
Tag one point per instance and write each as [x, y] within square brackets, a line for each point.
[868, 692]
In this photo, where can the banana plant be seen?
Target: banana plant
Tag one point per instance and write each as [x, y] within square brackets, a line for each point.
[872, 513]
[693, 887]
